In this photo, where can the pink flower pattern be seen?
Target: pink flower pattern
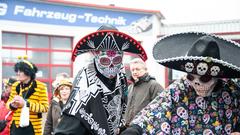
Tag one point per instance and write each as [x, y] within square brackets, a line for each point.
[199, 121]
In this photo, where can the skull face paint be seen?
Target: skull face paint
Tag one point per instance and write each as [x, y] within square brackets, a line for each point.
[201, 84]
[108, 62]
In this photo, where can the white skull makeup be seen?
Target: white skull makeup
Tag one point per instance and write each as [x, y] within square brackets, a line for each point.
[108, 62]
[215, 70]
[228, 113]
[202, 68]
[189, 67]
[208, 132]
[165, 127]
[201, 102]
[192, 120]
[226, 97]
[228, 128]
[206, 118]
[182, 113]
[203, 85]
[176, 131]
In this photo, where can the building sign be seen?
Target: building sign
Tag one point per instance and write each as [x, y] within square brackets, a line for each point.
[56, 14]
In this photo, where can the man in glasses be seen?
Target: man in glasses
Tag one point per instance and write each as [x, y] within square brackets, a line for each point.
[97, 102]
[200, 102]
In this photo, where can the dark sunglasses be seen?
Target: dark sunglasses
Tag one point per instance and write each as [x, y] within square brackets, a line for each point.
[204, 78]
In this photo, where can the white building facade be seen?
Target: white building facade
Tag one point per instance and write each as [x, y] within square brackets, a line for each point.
[47, 33]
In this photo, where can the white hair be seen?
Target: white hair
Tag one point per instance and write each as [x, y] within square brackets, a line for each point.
[138, 61]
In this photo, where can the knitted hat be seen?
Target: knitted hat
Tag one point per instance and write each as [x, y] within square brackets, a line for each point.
[62, 82]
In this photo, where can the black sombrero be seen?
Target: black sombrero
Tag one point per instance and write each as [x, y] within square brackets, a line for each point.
[108, 37]
[199, 53]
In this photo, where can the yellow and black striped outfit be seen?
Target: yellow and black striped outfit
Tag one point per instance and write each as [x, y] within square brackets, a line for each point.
[37, 100]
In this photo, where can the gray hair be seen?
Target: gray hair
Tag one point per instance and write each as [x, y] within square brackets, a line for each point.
[139, 61]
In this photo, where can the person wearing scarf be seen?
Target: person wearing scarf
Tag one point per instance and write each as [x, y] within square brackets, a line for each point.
[62, 91]
[97, 102]
[27, 92]
[142, 91]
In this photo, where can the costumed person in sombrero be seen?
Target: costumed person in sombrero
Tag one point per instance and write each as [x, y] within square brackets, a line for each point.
[201, 102]
[97, 102]
[28, 100]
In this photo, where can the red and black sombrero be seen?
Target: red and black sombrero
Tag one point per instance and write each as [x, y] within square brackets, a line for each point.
[199, 53]
[108, 37]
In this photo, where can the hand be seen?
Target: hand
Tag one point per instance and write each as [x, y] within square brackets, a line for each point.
[14, 104]
[235, 133]
[18, 101]
[117, 131]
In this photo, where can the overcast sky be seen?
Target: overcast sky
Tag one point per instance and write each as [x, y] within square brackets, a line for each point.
[182, 11]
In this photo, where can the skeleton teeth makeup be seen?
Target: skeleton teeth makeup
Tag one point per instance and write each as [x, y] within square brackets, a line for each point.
[109, 62]
[202, 88]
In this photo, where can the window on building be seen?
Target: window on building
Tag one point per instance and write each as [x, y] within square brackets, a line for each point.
[51, 54]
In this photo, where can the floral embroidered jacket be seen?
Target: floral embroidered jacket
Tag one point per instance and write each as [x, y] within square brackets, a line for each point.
[180, 111]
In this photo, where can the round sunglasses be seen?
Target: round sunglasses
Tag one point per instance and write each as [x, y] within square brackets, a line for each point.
[204, 78]
[107, 61]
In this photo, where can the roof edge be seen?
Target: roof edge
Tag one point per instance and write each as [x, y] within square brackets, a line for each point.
[105, 7]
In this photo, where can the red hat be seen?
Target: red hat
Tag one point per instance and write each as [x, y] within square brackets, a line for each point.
[108, 37]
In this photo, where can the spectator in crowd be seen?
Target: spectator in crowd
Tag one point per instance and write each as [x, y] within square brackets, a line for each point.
[55, 83]
[5, 113]
[201, 102]
[61, 94]
[7, 88]
[97, 103]
[27, 93]
[59, 77]
[143, 89]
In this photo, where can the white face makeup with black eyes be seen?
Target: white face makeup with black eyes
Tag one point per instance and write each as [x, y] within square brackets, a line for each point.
[109, 62]
[201, 85]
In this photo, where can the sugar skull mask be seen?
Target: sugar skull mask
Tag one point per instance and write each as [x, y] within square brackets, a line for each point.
[108, 62]
[203, 85]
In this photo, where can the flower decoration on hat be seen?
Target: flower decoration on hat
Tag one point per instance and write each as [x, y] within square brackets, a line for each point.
[208, 59]
[109, 38]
